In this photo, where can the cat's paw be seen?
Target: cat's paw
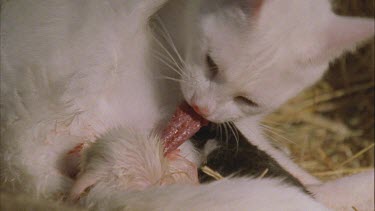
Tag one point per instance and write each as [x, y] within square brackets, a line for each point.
[354, 192]
[125, 160]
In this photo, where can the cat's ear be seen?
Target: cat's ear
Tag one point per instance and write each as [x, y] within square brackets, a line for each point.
[345, 33]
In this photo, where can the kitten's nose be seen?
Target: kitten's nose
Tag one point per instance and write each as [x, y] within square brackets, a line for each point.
[203, 111]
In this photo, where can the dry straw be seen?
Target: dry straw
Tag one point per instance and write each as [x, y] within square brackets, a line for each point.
[329, 129]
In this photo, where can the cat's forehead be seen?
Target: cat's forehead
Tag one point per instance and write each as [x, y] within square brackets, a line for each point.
[236, 22]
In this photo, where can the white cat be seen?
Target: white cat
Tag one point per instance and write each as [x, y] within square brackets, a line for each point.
[72, 71]
[246, 58]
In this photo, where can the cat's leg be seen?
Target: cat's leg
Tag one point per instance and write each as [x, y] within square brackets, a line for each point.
[342, 194]
[31, 159]
[354, 192]
[33, 145]
[222, 195]
[250, 129]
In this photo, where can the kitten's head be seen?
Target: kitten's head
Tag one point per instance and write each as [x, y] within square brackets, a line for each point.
[247, 57]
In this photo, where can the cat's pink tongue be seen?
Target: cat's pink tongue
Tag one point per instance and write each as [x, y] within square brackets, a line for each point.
[184, 123]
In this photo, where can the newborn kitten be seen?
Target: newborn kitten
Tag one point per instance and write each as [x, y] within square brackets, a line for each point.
[232, 155]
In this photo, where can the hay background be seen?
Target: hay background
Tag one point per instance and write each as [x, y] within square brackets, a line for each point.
[329, 128]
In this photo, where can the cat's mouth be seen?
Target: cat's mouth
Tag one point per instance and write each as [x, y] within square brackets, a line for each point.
[184, 123]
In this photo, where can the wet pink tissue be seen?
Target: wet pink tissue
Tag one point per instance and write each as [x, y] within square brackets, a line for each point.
[183, 125]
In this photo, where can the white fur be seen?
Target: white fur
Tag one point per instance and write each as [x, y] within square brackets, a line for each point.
[73, 70]
[238, 194]
[70, 71]
[266, 56]
[345, 193]
[127, 160]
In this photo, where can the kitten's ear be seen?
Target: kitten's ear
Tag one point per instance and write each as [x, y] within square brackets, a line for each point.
[344, 33]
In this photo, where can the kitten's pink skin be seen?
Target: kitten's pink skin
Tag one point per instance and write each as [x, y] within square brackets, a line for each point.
[133, 162]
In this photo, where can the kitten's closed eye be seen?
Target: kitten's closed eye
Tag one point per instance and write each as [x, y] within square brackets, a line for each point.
[212, 67]
[245, 101]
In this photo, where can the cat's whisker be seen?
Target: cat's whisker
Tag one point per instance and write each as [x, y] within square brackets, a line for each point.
[165, 35]
[269, 122]
[271, 130]
[163, 60]
[271, 127]
[274, 139]
[175, 80]
[232, 131]
[168, 54]
[166, 58]
[220, 131]
[235, 133]
[169, 39]
[226, 133]
[186, 82]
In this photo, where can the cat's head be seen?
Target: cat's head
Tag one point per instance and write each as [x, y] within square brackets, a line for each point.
[247, 57]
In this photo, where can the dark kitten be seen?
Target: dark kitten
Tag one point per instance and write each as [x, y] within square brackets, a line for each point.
[238, 159]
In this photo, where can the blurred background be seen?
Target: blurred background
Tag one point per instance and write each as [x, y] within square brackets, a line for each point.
[329, 128]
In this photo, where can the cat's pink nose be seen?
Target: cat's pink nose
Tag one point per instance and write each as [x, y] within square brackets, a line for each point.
[203, 111]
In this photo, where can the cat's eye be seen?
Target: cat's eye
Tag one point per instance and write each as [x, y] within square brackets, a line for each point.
[212, 66]
[246, 101]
